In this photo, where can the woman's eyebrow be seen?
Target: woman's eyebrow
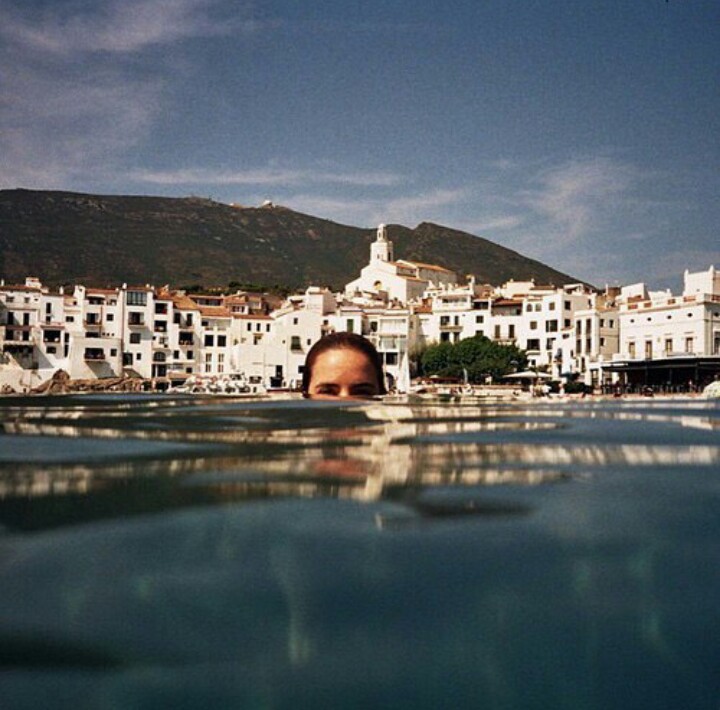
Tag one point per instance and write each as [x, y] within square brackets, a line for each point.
[326, 385]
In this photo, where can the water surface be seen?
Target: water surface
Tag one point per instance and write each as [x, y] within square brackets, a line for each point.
[180, 552]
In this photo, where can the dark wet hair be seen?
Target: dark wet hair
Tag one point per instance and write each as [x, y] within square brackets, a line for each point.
[343, 341]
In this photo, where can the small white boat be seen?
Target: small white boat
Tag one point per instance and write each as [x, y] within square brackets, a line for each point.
[230, 385]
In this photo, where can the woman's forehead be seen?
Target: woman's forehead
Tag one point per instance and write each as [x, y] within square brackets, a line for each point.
[341, 360]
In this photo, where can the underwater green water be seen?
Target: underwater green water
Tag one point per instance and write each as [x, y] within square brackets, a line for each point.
[160, 552]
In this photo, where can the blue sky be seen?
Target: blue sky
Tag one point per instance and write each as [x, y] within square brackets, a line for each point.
[584, 133]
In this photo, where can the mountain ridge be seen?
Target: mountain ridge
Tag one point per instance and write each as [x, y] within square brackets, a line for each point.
[71, 237]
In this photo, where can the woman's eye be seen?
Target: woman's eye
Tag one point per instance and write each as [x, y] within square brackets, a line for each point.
[364, 391]
[325, 389]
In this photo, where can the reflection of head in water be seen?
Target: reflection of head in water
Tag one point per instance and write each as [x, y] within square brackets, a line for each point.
[343, 365]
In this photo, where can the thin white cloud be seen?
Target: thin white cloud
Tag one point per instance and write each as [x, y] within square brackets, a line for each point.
[271, 177]
[119, 26]
[577, 197]
[425, 202]
[501, 223]
[57, 129]
[406, 209]
[72, 101]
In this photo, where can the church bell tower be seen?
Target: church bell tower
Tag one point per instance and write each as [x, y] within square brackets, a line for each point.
[381, 249]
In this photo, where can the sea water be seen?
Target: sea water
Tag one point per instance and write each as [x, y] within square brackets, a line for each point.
[170, 552]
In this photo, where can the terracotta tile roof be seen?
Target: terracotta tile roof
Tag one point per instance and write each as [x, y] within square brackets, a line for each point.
[184, 303]
[33, 289]
[506, 302]
[421, 265]
[215, 311]
[209, 296]
[247, 316]
[101, 291]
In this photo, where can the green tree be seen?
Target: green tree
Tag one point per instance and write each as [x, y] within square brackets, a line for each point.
[479, 356]
[435, 359]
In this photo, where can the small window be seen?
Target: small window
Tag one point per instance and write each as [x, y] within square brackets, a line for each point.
[135, 338]
[136, 298]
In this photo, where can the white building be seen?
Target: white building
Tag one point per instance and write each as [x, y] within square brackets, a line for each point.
[668, 340]
[628, 334]
[402, 281]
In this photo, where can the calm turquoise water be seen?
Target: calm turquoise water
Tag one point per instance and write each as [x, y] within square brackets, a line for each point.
[188, 553]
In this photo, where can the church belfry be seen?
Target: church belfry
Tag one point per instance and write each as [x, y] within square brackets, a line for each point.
[381, 249]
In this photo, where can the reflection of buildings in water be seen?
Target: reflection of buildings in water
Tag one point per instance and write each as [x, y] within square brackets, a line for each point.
[30, 480]
[371, 450]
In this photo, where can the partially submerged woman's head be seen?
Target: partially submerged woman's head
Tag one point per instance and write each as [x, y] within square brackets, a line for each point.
[343, 365]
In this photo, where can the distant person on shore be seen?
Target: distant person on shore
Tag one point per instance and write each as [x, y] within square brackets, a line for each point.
[343, 366]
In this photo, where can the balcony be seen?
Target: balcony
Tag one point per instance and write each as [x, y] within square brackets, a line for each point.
[136, 320]
[21, 334]
[94, 355]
